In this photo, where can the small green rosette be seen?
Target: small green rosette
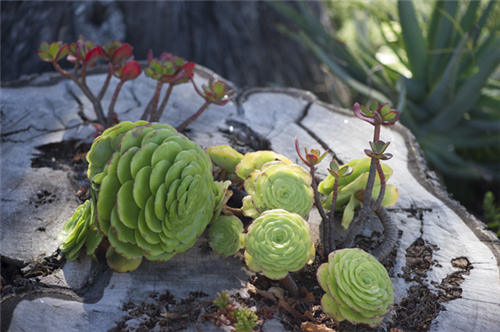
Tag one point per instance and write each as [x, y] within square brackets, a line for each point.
[80, 230]
[152, 192]
[226, 235]
[278, 185]
[357, 286]
[278, 242]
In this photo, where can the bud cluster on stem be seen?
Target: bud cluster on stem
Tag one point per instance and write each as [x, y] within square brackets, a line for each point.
[166, 69]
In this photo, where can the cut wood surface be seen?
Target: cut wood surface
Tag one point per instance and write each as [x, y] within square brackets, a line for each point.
[37, 201]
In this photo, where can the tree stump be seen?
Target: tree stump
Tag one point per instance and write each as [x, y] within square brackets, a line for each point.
[442, 252]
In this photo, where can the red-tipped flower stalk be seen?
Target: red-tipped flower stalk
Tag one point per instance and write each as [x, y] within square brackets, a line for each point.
[216, 92]
[167, 69]
[131, 70]
[377, 116]
[312, 158]
[85, 54]
[337, 172]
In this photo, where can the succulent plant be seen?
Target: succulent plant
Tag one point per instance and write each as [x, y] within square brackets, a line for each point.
[225, 157]
[278, 185]
[255, 160]
[350, 187]
[357, 286]
[80, 230]
[152, 191]
[226, 235]
[278, 242]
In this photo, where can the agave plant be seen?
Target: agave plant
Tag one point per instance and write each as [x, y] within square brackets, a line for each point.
[278, 242]
[351, 187]
[226, 235]
[440, 75]
[357, 286]
[152, 195]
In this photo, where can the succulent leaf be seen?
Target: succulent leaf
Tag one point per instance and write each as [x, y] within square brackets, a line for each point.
[76, 231]
[278, 242]
[225, 235]
[119, 263]
[359, 167]
[278, 185]
[357, 286]
[254, 160]
[225, 157]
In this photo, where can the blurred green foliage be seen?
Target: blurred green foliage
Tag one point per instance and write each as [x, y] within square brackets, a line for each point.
[437, 62]
[491, 212]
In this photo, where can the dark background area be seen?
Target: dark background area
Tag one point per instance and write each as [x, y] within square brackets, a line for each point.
[238, 40]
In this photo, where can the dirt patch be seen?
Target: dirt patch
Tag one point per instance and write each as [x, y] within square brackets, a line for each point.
[19, 278]
[68, 156]
[162, 312]
[422, 304]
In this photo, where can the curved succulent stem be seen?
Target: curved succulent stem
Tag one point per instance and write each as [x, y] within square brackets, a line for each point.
[381, 194]
[290, 285]
[390, 234]
[106, 83]
[111, 110]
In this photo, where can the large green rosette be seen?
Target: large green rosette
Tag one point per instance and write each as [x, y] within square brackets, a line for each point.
[278, 242]
[226, 235]
[357, 286]
[152, 191]
[278, 185]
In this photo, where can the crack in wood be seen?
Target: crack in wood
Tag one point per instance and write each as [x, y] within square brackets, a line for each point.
[43, 131]
[134, 96]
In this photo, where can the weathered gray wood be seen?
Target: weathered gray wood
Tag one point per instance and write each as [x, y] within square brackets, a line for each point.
[30, 118]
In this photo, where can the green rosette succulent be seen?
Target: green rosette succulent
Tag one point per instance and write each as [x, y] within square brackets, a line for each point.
[278, 185]
[226, 235]
[80, 230]
[255, 160]
[278, 242]
[350, 187]
[357, 286]
[152, 191]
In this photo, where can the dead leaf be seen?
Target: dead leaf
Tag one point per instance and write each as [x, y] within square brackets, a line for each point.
[311, 327]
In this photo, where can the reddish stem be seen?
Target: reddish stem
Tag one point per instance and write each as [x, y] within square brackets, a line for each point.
[86, 91]
[317, 202]
[84, 74]
[111, 110]
[151, 107]
[193, 117]
[163, 103]
[381, 194]
[376, 133]
[106, 83]
[290, 285]
[331, 229]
